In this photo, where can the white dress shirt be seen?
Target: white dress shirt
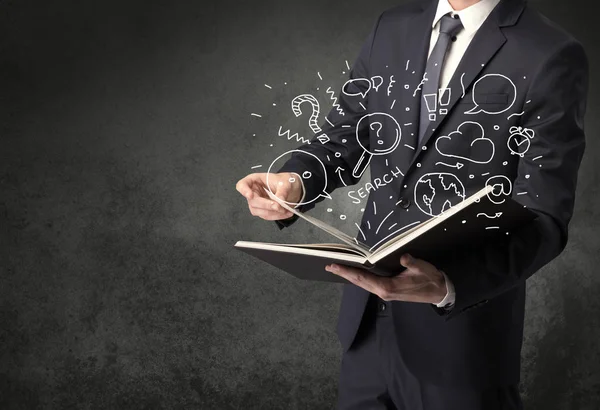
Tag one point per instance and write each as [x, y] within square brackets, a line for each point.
[472, 18]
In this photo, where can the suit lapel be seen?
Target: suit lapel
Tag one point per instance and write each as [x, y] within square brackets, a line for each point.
[416, 37]
[486, 43]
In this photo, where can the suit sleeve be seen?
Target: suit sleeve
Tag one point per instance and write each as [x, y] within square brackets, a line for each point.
[336, 156]
[545, 183]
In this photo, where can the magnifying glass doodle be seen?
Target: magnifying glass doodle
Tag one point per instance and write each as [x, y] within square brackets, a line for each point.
[382, 144]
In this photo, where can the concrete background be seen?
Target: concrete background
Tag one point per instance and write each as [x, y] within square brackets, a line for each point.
[124, 126]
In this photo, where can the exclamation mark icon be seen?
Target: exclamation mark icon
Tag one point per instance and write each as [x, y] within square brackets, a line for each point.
[445, 94]
[431, 104]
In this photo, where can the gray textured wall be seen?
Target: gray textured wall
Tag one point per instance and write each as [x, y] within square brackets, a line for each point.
[124, 126]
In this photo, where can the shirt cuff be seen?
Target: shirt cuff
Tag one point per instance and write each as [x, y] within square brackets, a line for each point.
[303, 191]
[450, 297]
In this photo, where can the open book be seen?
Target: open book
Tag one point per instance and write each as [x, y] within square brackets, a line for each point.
[472, 222]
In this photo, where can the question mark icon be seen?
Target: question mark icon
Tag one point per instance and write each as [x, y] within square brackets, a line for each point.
[376, 123]
[312, 121]
[376, 120]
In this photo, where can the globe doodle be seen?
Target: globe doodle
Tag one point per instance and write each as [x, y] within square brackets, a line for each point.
[437, 191]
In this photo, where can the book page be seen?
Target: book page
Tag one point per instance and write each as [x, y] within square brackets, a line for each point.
[301, 251]
[340, 247]
[398, 238]
[402, 240]
[325, 227]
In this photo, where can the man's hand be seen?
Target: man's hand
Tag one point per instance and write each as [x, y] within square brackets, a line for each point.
[420, 282]
[252, 187]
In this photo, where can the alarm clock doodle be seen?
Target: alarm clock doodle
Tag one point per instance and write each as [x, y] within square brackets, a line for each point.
[520, 139]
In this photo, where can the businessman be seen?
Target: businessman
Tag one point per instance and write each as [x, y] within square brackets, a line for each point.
[448, 96]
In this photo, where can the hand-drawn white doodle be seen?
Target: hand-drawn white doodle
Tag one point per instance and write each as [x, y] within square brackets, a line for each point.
[289, 136]
[389, 89]
[306, 175]
[519, 141]
[334, 99]
[445, 94]
[501, 186]
[468, 129]
[312, 121]
[376, 121]
[437, 191]
[359, 91]
[501, 106]
[377, 82]
[458, 165]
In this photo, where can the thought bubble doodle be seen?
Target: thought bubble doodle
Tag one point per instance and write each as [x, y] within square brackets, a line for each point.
[351, 89]
[483, 147]
[497, 102]
[305, 174]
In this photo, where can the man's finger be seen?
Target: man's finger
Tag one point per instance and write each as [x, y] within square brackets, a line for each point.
[359, 277]
[250, 185]
[244, 187]
[274, 181]
[282, 189]
[282, 192]
[269, 215]
[266, 204]
[409, 262]
[414, 266]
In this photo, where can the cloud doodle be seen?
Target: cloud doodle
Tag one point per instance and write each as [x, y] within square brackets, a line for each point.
[481, 147]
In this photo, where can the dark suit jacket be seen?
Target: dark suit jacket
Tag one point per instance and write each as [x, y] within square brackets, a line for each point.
[526, 64]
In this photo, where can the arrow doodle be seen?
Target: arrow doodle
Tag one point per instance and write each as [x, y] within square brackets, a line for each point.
[497, 215]
[339, 172]
[458, 165]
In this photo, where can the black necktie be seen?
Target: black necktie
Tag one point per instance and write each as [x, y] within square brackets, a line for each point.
[449, 26]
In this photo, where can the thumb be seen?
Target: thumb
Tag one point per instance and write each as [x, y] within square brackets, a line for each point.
[409, 262]
[284, 187]
[269, 181]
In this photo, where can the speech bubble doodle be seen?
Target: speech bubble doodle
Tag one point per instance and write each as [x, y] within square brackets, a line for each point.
[485, 146]
[351, 89]
[378, 121]
[436, 192]
[306, 175]
[519, 141]
[492, 81]
[501, 186]
[377, 82]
